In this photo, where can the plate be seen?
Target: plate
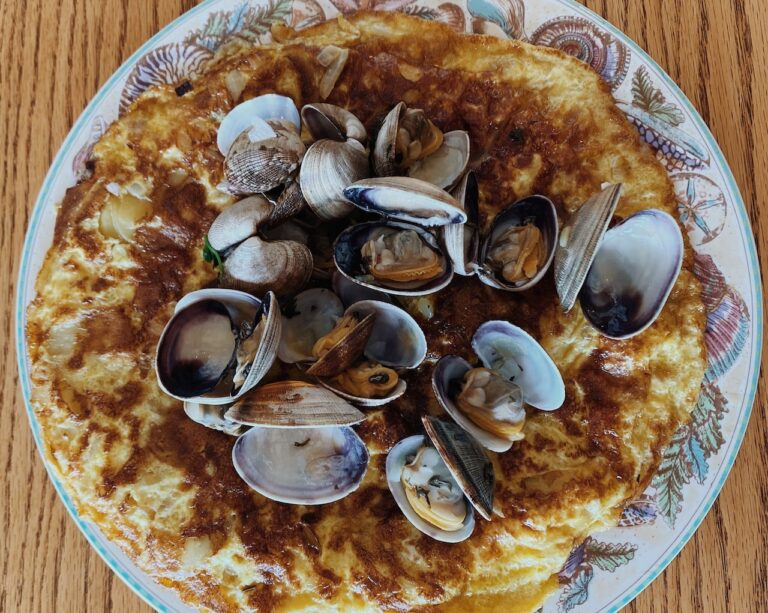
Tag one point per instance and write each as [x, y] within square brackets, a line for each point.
[609, 569]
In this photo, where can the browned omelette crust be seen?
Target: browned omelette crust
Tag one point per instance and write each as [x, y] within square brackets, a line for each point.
[114, 437]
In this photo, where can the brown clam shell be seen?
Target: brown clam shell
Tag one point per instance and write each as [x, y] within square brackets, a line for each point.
[346, 352]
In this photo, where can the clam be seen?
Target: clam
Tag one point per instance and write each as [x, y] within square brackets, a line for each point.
[393, 257]
[293, 404]
[330, 166]
[256, 266]
[444, 167]
[255, 113]
[350, 292]
[328, 121]
[257, 164]
[289, 202]
[515, 354]
[341, 347]
[520, 245]
[415, 465]
[406, 199]
[212, 416]
[301, 465]
[632, 274]
[217, 346]
[578, 243]
[462, 240]
[312, 314]
[239, 222]
[484, 403]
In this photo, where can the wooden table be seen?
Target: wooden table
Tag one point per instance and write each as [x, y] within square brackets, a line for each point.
[56, 54]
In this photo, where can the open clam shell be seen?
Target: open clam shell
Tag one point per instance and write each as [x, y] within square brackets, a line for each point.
[255, 112]
[257, 266]
[536, 210]
[465, 458]
[579, 241]
[462, 241]
[329, 166]
[447, 376]
[293, 404]
[301, 465]
[346, 351]
[515, 354]
[350, 262]
[395, 340]
[632, 274]
[444, 167]
[397, 458]
[406, 199]
[328, 121]
[312, 315]
[196, 359]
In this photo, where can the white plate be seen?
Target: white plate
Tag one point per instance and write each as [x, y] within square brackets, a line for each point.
[610, 569]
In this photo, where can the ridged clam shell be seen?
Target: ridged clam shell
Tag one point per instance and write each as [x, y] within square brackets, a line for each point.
[541, 210]
[238, 222]
[289, 203]
[348, 259]
[255, 111]
[465, 458]
[312, 465]
[632, 274]
[328, 121]
[396, 460]
[450, 369]
[257, 266]
[462, 241]
[330, 166]
[293, 404]
[579, 240]
[255, 165]
[346, 352]
[406, 199]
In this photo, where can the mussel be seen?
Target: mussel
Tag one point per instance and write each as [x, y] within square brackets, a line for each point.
[393, 257]
[217, 346]
[301, 465]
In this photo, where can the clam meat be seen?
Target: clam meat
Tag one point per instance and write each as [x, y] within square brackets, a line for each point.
[492, 402]
[367, 380]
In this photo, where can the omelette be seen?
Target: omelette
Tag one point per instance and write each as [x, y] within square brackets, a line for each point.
[127, 246]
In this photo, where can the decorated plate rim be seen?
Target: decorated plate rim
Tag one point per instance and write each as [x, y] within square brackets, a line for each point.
[680, 538]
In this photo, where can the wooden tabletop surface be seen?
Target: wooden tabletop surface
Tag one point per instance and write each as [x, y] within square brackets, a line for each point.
[55, 56]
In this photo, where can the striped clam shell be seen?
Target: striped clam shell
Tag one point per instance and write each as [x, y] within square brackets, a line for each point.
[728, 319]
[582, 39]
[170, 64]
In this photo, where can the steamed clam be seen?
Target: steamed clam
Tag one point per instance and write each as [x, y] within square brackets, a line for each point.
[328, 121]
[254, 113]
[439, 481]
[217, 345]
[393, 257]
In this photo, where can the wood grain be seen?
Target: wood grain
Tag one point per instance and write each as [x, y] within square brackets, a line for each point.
[55, 55]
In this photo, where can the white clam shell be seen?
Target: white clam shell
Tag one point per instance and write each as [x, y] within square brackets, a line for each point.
[242, 307]
[254, 114]
[445, 166]
[396, 460]
[632, 274]
[515, 354]
[301, 465]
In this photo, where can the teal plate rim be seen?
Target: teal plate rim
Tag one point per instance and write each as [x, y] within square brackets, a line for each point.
[756, 286]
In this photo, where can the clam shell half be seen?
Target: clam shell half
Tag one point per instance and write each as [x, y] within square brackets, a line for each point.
[465, 458]
[396, 460]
